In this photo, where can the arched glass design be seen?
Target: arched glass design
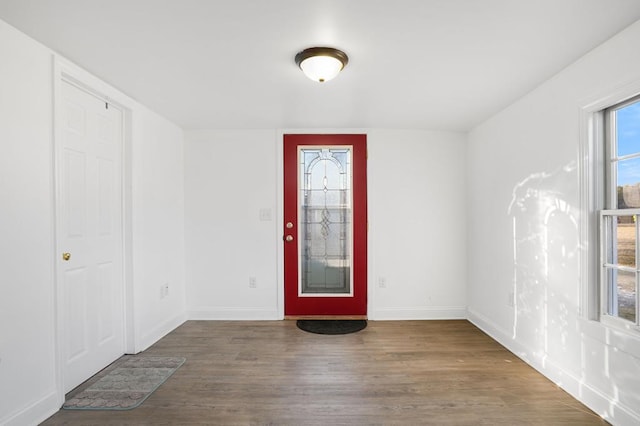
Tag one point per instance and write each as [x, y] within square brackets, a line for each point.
[325, 228]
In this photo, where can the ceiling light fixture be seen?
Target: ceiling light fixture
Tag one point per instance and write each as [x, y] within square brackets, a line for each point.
[321, 63]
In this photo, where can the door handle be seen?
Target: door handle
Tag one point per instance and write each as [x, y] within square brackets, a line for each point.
[288, 238]
[66, 256]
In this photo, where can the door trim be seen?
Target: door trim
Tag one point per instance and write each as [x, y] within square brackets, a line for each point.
[279, 138]
[69, 73]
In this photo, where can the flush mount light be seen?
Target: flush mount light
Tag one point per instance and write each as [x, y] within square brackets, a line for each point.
[321, 63]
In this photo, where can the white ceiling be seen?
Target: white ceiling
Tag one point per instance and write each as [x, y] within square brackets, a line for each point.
[423, 64]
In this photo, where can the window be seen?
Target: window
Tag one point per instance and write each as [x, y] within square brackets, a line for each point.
[619, 230]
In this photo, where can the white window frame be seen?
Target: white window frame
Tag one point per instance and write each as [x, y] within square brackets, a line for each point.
[608, 297]
[595, 173]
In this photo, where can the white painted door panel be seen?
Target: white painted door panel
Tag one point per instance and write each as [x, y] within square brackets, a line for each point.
[90, 229]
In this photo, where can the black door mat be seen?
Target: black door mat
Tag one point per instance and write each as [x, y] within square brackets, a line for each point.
[331, 326]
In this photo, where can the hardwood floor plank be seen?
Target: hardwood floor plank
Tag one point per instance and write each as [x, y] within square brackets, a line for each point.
[391, 373]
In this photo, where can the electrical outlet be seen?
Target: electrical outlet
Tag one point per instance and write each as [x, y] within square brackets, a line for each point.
[252, 282]
[382, 282]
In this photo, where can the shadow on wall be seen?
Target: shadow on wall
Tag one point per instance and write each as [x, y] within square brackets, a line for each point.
[545, 258]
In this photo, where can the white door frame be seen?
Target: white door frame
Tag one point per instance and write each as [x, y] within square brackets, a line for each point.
[66, 71]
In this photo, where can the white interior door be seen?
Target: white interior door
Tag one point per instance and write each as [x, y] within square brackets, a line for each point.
[90, 234]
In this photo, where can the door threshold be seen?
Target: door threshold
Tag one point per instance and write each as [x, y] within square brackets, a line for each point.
[325, 317]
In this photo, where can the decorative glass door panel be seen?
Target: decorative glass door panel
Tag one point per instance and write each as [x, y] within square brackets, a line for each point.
[325, 221]
[325, 225]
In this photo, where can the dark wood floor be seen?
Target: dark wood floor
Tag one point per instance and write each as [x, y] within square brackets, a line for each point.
[391, 373]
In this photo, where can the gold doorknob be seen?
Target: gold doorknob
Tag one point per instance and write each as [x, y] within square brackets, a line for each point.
[66, 256]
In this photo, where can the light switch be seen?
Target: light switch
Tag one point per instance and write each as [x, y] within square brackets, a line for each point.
[265, 214]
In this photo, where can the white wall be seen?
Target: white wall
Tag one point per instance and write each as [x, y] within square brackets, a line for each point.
[523, 235]
[27, 349]
[417, 224]
[158, 226]
[29, 390]
[416, 217]
[229, 177]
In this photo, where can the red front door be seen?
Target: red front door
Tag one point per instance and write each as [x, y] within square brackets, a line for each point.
[325, 225]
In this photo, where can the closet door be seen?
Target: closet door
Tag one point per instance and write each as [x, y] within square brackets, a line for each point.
[89, 233]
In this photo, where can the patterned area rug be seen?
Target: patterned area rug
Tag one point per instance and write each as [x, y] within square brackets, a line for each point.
[123, 385]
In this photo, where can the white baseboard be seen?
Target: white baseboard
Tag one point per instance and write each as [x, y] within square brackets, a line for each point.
[232, 314]
[598, 401]
[422, 313]
[35, 413]
[159, 332]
